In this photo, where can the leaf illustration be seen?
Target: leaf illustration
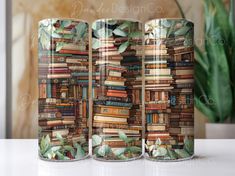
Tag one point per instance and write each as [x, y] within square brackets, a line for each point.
[123, 47]
[120, 32]
[96, 140]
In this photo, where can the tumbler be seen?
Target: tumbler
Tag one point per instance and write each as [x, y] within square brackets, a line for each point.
[117, 89]
[63, 89]
[169, 87]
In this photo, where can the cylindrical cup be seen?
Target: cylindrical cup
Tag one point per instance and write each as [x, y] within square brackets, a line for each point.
[169, 61]
[117, 83]
[63, 89]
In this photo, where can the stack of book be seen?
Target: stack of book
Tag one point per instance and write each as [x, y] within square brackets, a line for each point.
[181, 120]
[63, 87]
[116, 93]
[158, 84]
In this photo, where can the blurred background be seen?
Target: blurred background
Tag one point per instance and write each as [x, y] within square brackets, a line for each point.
[18, 48]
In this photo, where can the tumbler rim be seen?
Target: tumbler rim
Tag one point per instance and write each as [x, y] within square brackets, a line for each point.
[121, 19]
[169, 19]
[55, 18]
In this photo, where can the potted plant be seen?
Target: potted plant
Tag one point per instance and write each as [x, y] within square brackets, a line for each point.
[215, 70]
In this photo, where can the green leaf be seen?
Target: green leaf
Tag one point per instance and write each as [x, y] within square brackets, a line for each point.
[104, 150]
[182, 31]
[61, 156]
[182, 153]
[125, 25]
[170, 30]
[120, 32]
[122, 157]
[51, 153]
[70, 149]
[80, 152]
[134, 149]
[81, 30]
[103, 33]
[66, 23]
[136, 34]
[45, 40]
[166, 23]
[171, 154]
[123, 47]
[189, 146]
[96, 140]
[158, 142]
[45, 144]
[60, 138]
[96, 43]
[59, 46]
[119, 151]
[122, 135]
[232, 14]
[159, 152]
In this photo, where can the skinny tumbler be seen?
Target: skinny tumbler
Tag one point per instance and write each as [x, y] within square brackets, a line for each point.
[169, 113]
[63, 89]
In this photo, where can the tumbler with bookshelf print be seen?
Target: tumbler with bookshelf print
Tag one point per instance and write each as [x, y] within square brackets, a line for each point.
[63, 89]
[117, 87]
[169, 82]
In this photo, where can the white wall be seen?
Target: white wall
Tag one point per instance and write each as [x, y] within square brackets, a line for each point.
[2, 69]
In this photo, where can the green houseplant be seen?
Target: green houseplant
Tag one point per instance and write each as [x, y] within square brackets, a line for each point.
[215, 65]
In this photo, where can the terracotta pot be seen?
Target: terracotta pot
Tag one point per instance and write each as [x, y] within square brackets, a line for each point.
[220, 131]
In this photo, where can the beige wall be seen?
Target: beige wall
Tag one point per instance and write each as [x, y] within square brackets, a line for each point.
[27, 13]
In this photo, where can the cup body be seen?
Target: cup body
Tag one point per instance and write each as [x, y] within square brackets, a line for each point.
[117, 89]
[63, 89]
[169, 108]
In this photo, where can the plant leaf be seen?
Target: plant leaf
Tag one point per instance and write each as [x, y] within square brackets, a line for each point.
[120, 32]
[158, 141]
[66, 23]
[125, 25]
[59, 46]
[172, 154]
[70, 149]
[96, 43]
[134, 149]
[122, 135]
[45, 144]
[60, 138]
[81, 29]
[160, 151]
[119, 151]
[104, 33]
[182, 153]
[61, 156]
[80, 152]
[104, 150]
[123, 47]
[182, 31]
[96, 140]
[136, 34]
[189, 146]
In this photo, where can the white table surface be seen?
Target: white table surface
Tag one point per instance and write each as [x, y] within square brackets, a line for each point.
[213, 158]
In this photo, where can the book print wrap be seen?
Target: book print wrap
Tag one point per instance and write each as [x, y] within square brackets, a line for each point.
[63, 89]
[117, 61]
[169, 60]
